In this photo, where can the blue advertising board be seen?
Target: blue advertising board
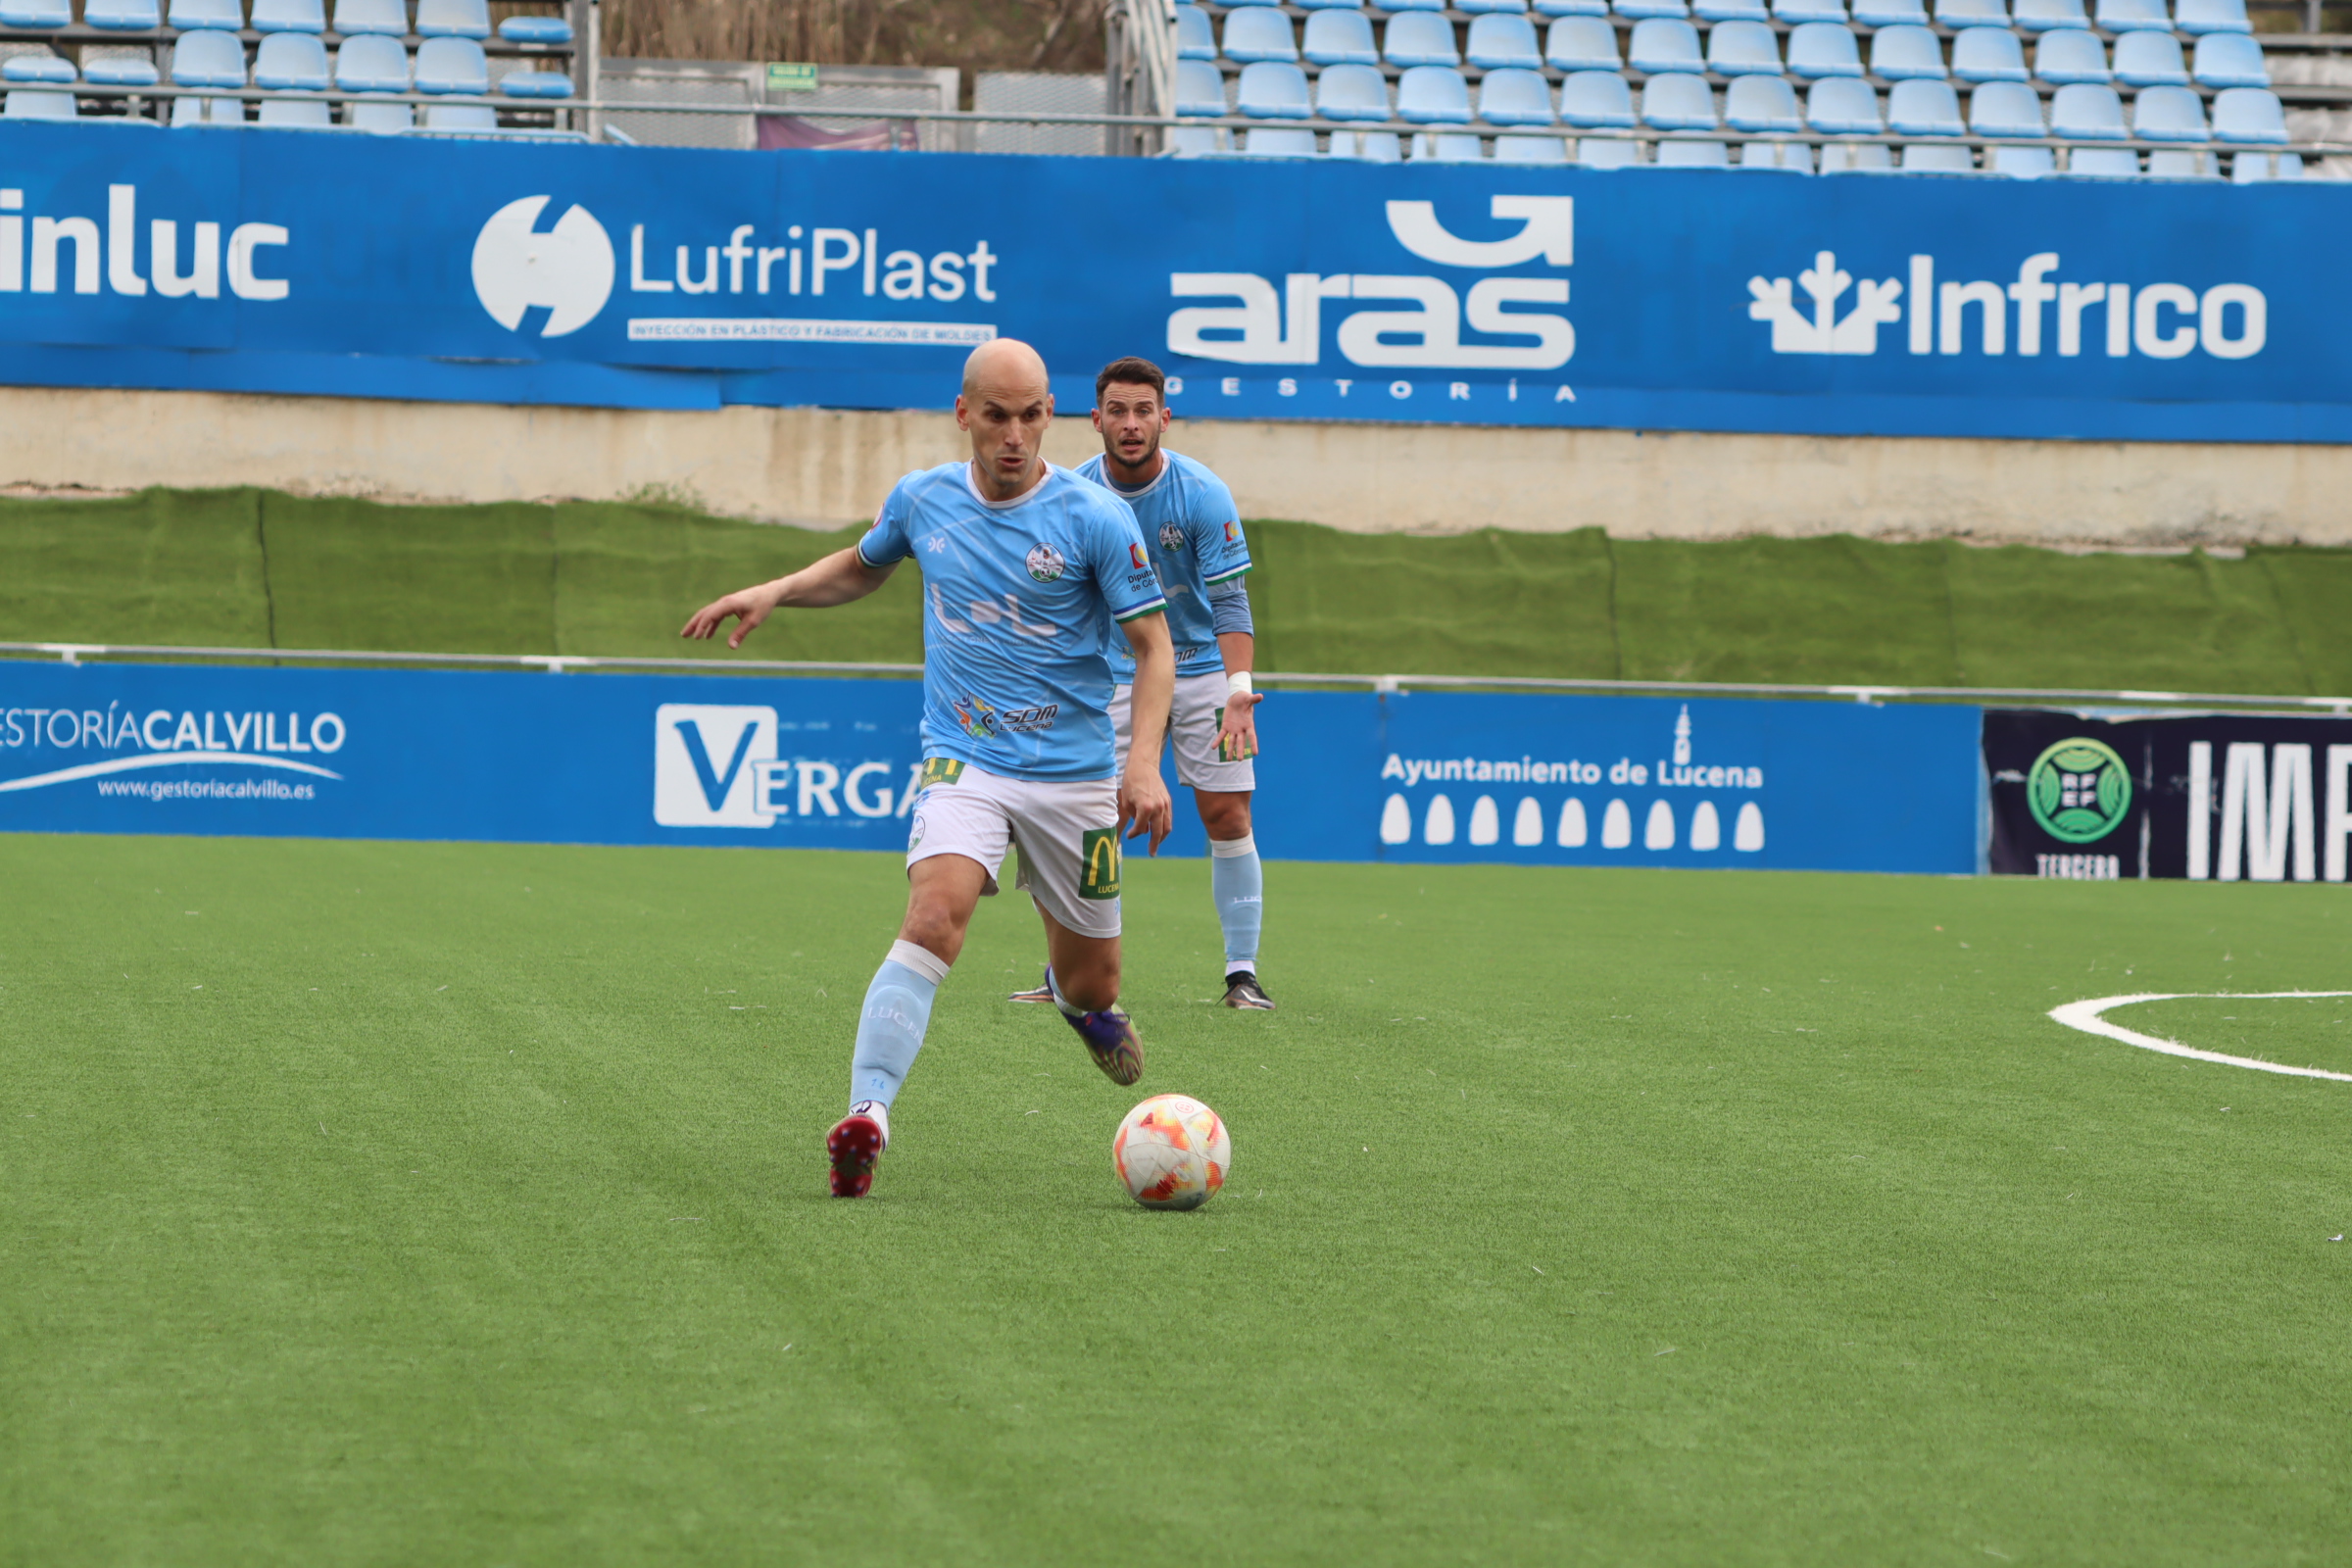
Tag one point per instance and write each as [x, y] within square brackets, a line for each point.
[833, 763]
[1674, 298]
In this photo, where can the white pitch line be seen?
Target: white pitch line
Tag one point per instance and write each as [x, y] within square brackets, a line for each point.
[2086, 1016]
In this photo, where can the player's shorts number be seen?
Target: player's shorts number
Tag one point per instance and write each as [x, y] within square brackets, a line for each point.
[1099, 850]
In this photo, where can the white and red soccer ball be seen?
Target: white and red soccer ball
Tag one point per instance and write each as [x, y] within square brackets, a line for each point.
[1172, 1152]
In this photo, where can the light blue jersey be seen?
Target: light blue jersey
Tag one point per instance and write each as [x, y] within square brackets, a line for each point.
[1018, 603]
[1194, 531]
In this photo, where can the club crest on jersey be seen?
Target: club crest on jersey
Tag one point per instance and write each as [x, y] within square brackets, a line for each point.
[1233, 531]
[1171, 537]
[1135, 554]
[1046, 562]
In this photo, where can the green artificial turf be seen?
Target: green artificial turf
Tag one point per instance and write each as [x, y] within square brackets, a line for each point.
[418, 1204]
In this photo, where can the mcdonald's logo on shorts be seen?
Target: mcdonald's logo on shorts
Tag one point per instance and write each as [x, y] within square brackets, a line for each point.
[1098, 855]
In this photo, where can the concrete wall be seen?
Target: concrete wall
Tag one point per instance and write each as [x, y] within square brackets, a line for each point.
[828, 467]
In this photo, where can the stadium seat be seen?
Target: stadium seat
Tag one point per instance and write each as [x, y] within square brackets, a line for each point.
[33, 103]
[1762, 104]
[1200, 89]
[2045, 16]
[50, 70]
[2071, 55]
[190, 15]
[1925, 109]
[2133, 16]
[2248, 114]
[1329, 5]
[1730, 9]
[1782, 157]
[1368, 146]
[2231, 60]
[1907, 54]
[452, 19]
[1235, 5]
[1572, 8]
[386, 17]
[1340, 38]
[1693, 155]
[1196, 39]
[1407, 4]
[1503, 43]
[2089, 111]
[2199, 17]
[1918, 159]
[1268, 89]
[1856, 158]
[2102, 162]
[2169, 113]
[372, 63]
[1643, 10]
[123, 16]
[1971, 13]
[1256, 34]
[2150, 60]
[1419, 38]
[1842, 106]
[380, 118]
[1678, 102]
[1803, 11]
[458, 67]
[534, 29]
[297, 113]
[118, 71]
[1661, 43]
[535, 84]
[482, 116]
[1515, 98]
[1447, 147]
[1581, 44]
[1596, 100]
[1596, 152]
[2249, 169]
[1817, 49]
[1176, 141]
[208, 60]
[1476, 7]
[1987, 54]
[207, 112]
[1891, 13]
[2176, 163]
[1743, 49]
[289, 15]
[1433, 95]
[2022, 163]
[2005, 109]
[1278, 141]
[1530, 150]
[36, 16]
[290, 62]
[1351, 92]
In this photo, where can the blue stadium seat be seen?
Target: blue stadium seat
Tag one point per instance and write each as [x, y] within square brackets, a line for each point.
[1743, 49]
[2071, 55]
[1678, 102]
[456, 68]
[2043, 15]
[1341, 38]
[1329, 5]
[297, 113]
[36, 16]
[2102, 162]
[2168, 113]
[290, 62]
[1924, 109]
[1260, 33]
[452, 19]
[2005, 109]
[1842, 106]
[1596, 100]
[1176, 141]
[1476, 7]
[1856, 158]
[1782, 157]
[1987, 54]
[2176, 163]
[1762, 104]
[1642, 10]
[1693, 155]
[1408, 5]
[2248, 114]
[1419, 38]
[1907, 54]
[1817, 49]
[1369, 146]
[532, 29]
[1730, 9]
[387, 17]
[1447, 147]
[1232, 5]
[1351, 92]
[208, 60]
[1515, 98]
[1803, 11]
[1278, 141]
[33, 103]
[1503, 43]
[1918, 160]
[1662, 43]
[1196, 39]
[1972, 14]
[2250, 169]
[2089, 111]
[1891, 13]
[2199, 17]
[190, 15]
[1433, 95]
[379, 118]
[479, 117]
[1581, 44]
[2022, 163]
[109, 71]
[1530, 150]
[123, 16]
[2150, 60]
[52, 70]
[289, 15]
[535, 84]
[372, 63]
[1200, 89]
[2133, 16]
[2231, 60]
[1572, 8]
[1596, 152]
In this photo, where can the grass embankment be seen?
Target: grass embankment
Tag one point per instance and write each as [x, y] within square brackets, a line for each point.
[253, 569]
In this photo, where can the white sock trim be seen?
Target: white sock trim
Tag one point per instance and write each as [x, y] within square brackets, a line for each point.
[1233, 966]
[1233, 849]
[923, 960]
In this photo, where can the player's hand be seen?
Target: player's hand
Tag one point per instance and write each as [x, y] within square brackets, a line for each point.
[1237, 734]
[1143, 803]
[749, 608]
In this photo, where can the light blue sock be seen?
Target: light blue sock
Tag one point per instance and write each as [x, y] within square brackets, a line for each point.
[891, 1025]
[1237, 883]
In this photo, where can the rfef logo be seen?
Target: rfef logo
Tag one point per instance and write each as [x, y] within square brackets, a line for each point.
[567, 269]
[2079, 791]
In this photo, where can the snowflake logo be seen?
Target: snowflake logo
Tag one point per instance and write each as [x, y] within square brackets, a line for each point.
[1875, 304]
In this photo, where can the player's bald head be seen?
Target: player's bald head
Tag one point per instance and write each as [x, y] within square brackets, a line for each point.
[1004, 369]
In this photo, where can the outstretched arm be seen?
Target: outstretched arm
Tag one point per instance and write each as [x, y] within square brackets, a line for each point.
[1143, 793]
[835, 580]
[1237, 645]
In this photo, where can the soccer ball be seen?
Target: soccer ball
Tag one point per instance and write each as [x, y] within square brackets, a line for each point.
[1172, 1152]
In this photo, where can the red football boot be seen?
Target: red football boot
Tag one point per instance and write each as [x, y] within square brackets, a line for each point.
[855, 1142]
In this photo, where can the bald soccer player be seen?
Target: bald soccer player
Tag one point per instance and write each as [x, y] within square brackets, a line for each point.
[1026, 569]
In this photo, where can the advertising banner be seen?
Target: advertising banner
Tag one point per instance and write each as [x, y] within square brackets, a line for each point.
[834, 764]
[2229, 796]
[1481, 294]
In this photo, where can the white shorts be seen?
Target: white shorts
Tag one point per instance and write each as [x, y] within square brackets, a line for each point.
[1068, 836]
[1193, 730]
